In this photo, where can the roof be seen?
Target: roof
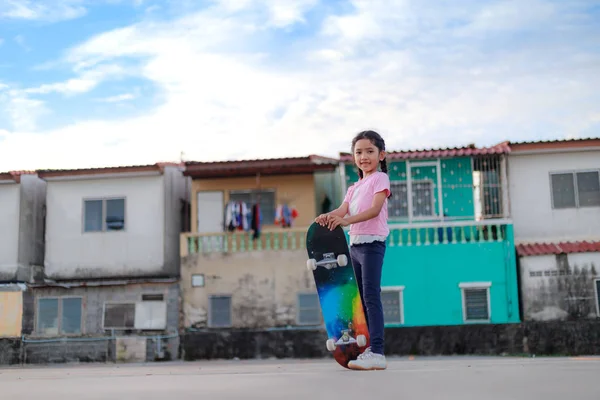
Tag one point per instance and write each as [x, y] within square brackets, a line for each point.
[86, 173]
[470, 150]
[14, 176]
[554, 145]
[270, 166]
[540, 249]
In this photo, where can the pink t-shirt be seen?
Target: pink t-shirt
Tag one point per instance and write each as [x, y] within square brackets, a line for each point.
[360, 198]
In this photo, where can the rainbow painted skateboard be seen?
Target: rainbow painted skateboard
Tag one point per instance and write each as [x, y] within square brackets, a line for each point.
[345, 323]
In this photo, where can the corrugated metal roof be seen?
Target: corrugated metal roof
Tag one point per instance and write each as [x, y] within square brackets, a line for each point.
[540, 249]
[571, 140]
[53, 173]
[471, 150]
[267, 166]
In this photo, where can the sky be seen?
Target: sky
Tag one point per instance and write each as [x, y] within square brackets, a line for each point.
[92, 83]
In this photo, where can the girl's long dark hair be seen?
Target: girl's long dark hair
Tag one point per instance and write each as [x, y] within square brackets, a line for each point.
[377, 141]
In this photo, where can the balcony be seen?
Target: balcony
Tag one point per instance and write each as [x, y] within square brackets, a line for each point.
[425, 234]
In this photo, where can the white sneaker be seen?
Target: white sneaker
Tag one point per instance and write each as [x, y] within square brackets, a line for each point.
[368, 361]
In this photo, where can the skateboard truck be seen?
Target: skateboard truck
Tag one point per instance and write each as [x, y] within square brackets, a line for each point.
[345, 339]
[329, 261]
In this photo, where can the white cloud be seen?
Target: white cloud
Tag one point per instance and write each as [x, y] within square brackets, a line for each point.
[424, 76]
[118, 98]
[23, 113]
[87, 81]
[42, 10]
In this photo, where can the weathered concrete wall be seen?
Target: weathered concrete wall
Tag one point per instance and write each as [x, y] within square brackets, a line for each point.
[88, 349]
[264, 286]
[559, 287]
[568, 338]
[31, 228]
[10, 350]
[176, 191]
[94, 299]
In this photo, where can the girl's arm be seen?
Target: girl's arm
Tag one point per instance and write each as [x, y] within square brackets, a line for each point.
[341, 211]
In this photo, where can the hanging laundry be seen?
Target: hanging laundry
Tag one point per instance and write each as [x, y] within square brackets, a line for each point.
[237, 215]
[284, 215]
[256, 221]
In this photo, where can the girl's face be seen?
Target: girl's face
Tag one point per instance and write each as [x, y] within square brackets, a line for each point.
[367, 156]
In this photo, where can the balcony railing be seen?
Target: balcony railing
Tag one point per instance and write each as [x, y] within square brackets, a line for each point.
[426, 234]
[235, 242]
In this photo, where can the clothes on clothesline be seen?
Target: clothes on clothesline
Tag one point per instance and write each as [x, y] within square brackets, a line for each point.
[284, 215]
[239, 216]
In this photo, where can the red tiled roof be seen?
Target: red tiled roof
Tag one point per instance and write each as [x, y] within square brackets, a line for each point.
[471, 150]
[270, 166]
[540, 249]
[553, 144]
[55, 173]
[14, 175]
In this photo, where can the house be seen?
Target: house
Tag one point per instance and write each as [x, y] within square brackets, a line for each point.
[450, 258]
[22, 196]
[234, 275]
[555, 203]
[111, 263]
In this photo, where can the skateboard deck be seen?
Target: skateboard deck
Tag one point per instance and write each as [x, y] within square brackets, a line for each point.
[341, 306]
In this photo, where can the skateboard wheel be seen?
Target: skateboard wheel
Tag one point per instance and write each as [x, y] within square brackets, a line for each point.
[342, 260]
[331, 345]
[311, 264]
[361, 340]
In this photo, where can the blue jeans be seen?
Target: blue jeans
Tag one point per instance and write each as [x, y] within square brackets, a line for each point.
[367, 259]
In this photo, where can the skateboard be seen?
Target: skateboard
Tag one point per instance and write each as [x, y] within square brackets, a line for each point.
[339, 298]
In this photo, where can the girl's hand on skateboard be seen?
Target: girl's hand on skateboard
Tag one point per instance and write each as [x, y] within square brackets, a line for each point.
[321, 219]
[334, 221]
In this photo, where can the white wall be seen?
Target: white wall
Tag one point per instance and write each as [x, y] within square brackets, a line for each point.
[136, 251]
[531, 198]
[9, 229]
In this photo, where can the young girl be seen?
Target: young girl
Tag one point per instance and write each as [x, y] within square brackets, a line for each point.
[365, 204]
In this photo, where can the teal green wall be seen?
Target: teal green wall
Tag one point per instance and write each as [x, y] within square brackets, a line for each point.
[431, 275]
[457, 184]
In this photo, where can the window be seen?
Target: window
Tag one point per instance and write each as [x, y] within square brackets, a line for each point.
[423, 200]
[308, 310]
[59, 316]
[148, 314]
[575, 189]
[476, 301]
[265, 198]
[119, 315]
[219, 311]
[104, 215]
[393, 304]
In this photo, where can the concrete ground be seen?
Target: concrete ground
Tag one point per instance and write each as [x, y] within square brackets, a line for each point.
[427, 378]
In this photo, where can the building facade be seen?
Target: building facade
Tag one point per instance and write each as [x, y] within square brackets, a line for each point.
[555, 202]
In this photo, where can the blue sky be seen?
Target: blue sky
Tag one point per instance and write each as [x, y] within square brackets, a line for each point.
[118, 82]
